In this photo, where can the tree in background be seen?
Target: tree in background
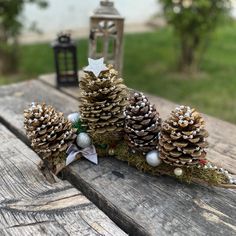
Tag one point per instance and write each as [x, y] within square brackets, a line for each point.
[10, 29]
[193, 22]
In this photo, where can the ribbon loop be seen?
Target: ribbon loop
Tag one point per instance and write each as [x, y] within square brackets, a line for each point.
[89, 153]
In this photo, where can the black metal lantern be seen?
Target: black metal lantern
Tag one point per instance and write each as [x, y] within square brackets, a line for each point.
[65, 60]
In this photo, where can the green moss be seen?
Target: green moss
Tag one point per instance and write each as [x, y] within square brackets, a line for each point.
[191, 174]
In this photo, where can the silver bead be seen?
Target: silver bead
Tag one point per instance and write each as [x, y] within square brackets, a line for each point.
[73, 117]
[178, 171]
[83, 140]
[153, 158]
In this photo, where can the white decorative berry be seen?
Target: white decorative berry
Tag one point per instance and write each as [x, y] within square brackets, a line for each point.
[178, 171]
[153, 158]
[83, 140]
[73, 117]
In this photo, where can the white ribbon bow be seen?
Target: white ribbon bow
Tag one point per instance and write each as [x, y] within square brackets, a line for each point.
[89, 153]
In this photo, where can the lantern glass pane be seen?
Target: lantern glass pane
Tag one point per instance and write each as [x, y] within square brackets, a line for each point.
[111, 47]
[65, 62]
[99, 44]
[106, 27]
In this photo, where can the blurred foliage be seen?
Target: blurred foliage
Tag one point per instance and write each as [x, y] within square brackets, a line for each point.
[193, 21]
[149, 65]
[10, 28]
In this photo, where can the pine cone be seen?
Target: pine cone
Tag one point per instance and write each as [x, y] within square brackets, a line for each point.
[142, 124]
[49, 132]
[182, 138]
[102, 102]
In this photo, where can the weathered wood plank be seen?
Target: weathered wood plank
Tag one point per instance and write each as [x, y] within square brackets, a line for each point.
[15, 98]
[141, 204]
[29, 205]
[158, 206]
[222, 139]
[49, 79]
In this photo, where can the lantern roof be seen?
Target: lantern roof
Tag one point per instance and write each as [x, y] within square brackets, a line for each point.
[106, 9]
[63, 40]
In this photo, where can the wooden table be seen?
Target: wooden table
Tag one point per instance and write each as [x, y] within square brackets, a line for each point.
[139, 204]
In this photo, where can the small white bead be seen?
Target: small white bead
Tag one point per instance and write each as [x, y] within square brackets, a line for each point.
[178, 171]
[153, 158]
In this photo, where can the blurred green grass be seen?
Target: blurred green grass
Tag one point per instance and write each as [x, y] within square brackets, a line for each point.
[149, 65]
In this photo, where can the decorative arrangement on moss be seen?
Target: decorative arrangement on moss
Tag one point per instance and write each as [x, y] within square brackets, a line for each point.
[57, 140]
[115, 122]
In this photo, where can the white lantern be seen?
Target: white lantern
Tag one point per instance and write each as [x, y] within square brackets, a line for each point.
[106, 34]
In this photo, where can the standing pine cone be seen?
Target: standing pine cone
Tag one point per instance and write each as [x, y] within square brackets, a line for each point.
[142, 124]
[102, 102]
[182, 138]
[49, 132]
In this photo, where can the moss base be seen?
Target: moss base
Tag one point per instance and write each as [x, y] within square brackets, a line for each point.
[190, 175]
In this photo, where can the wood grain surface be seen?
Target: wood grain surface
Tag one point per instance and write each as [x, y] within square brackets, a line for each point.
[147, 205]
[139, 203]
[29, 205]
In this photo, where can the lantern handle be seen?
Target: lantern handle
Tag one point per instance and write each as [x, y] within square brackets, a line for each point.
[64, 37]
